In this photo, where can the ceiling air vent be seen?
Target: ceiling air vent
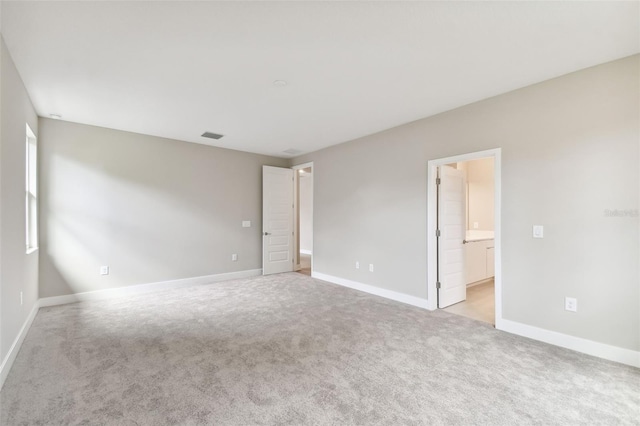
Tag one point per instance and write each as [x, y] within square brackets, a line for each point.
[211, 135]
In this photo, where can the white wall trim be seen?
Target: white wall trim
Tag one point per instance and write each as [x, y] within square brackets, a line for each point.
[578, 344]
[303, 251]
[589, 347]
[112, 293]
[303, 165]
[387, 294]
[8, 360]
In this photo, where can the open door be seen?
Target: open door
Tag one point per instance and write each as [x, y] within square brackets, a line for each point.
[277, 220]
[452, 287]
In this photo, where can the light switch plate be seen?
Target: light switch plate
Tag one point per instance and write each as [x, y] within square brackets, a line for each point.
[246, 224]
[538, 231]
[104, 270]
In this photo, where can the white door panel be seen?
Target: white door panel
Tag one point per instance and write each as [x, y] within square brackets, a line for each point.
[452, 226]
[277, 220]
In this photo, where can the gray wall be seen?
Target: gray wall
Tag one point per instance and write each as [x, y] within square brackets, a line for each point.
[569, 152]
[18, 271]
[151, 209]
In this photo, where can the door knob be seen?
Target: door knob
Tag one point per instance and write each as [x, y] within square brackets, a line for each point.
[267, 233]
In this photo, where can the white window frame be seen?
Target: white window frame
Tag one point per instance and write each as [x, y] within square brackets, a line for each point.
[31, 191]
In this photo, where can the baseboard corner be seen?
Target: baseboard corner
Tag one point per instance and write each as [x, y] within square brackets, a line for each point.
[8, 360]
[112, 293]
[377, 291]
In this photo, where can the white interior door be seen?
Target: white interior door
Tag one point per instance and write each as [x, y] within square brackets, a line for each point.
[452, 227]
[277, 220]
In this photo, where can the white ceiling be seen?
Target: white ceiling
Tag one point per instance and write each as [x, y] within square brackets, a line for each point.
[177, 69]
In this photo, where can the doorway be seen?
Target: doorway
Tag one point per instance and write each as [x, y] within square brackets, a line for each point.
[277, 220]
[476, 221]
[287, 219]
[304, 218]
[464, 247]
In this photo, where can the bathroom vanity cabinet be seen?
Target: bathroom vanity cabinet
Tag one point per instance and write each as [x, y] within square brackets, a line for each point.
[479, 259]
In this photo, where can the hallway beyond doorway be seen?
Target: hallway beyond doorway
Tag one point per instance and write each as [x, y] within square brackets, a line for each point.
[305, 264]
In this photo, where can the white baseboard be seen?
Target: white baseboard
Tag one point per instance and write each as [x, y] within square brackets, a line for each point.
[601, 350]
[143, 288]
[7, 362]
[589, 347]
[483, 281]
[110, 294]
[578, 344]
[306, 251]
[388, 294]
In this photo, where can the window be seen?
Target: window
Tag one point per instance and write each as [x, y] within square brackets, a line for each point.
[31, 198]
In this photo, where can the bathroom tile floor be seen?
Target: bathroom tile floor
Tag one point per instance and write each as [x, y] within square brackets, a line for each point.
[480, 303]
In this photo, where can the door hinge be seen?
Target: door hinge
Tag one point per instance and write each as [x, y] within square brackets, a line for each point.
[438, 181]
[437, 232]
[438, 285]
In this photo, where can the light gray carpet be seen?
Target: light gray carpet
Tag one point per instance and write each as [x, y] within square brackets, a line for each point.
[288, 349]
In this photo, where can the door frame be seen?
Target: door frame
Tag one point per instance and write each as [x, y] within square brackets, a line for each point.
[296, 201]
[432, 214]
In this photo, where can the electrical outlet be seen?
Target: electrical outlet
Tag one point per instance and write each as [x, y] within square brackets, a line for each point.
[571, 304]
[476, 225]
[246, 224]
[371, 267]
[234, 257]
[104, 270]
[21, 301]
[357, 265]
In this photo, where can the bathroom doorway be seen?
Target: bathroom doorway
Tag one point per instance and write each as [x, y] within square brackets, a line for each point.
[478, 247]
[464, 235]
